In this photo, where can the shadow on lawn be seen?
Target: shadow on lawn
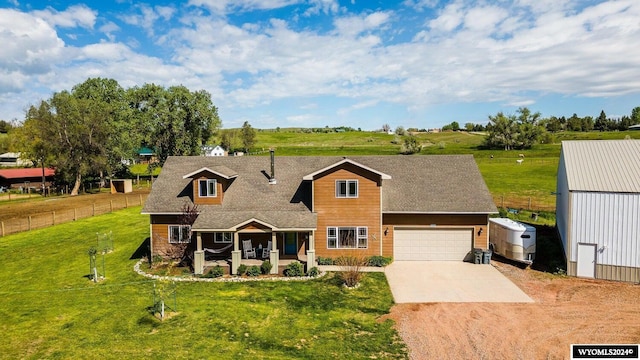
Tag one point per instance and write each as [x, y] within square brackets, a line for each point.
[144, 250]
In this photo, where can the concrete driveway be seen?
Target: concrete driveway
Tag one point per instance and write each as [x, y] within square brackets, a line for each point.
[450, 281]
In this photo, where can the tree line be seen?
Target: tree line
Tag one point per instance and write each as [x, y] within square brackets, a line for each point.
[524, 129]
[95, 127]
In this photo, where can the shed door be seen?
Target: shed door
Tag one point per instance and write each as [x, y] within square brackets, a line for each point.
[586, 266]
[432, 244]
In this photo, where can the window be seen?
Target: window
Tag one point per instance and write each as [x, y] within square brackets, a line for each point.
[347, 237]
[223, 237]
[207, 188]
[347, 188]
[179, 234]
[332, 238]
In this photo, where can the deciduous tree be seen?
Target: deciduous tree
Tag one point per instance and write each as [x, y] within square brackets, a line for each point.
[248, 135]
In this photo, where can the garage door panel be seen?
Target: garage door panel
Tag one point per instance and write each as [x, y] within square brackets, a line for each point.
[437, 245]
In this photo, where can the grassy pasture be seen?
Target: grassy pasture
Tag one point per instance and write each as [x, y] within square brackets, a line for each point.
[50, 309]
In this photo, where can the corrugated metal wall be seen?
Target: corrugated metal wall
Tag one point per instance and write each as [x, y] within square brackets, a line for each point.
[562, 204]
[609, 220]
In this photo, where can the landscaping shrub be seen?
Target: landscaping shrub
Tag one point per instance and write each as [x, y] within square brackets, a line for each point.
[266, 267]
[253, 270]
[313, 272]
[351, 269]
[325, 260]
[378, 261]
[294, 269]
[156, 261]
[242, 269]
[214, 272]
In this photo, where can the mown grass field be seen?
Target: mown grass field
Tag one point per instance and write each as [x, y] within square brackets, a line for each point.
[51, 310]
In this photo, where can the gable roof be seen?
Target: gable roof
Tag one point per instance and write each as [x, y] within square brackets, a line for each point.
[602, 165]
[412, 184]
[26, 173]
[345, 161]
[221, 171]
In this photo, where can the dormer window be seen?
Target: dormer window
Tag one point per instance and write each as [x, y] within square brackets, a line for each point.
[207, 188]
[347, 188]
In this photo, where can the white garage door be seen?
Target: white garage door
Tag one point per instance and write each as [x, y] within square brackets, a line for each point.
[432, 244]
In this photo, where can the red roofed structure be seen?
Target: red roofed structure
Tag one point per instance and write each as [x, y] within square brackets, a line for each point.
[25, 178]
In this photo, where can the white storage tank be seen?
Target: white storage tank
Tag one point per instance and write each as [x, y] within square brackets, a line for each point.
[513, 240]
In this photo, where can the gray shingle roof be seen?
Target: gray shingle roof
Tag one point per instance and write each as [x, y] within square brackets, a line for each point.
[418, 184]
[602, 165]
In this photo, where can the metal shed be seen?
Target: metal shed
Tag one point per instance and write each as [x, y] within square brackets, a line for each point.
[598, 208]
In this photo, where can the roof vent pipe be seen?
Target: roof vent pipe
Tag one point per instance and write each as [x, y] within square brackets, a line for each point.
[272, 179]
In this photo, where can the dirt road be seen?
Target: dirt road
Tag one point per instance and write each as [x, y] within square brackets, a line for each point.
[26, 206]
[566, 311]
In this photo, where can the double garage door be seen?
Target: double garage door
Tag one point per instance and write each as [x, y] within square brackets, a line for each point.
[432, 244]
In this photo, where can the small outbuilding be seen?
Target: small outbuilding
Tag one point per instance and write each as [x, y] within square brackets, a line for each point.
[122, 186]
[146, 155]
[26, 179]
[13, 159]
[598, 208]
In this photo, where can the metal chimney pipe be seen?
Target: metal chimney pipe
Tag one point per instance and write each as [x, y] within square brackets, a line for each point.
[272, 179]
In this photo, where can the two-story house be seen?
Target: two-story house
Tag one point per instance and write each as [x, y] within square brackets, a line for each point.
[405, 207]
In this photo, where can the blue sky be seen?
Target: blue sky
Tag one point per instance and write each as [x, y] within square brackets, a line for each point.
[316, 63]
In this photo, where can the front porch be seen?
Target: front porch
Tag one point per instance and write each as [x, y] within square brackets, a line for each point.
[251, 245]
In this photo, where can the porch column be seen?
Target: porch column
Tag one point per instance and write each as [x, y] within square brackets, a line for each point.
[236, 255]
[274, 255]
[311, 253]
[198, 256]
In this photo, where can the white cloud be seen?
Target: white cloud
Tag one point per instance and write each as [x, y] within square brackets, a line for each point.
[484, 19]
[226, 6]
[108, 29]
[76, 15]
[304, 119]
[420, 5]
[469, 52]
[148, 17]
[355, 25]
[30, 45]
[357, 106]
[322, 6]
[450, 18]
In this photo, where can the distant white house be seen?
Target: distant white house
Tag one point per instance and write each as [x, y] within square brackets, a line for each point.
[598, 208]
[218, 150]
[13, 159]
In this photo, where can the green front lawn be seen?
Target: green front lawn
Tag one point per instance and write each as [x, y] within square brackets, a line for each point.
[50, 309]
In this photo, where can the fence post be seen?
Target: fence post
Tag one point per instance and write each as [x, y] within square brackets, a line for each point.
[111, 205]
[140, 196]
[29, 226]
[75, 214]
[53, 218]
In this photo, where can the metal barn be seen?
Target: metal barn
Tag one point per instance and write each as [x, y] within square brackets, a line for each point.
[598, 208]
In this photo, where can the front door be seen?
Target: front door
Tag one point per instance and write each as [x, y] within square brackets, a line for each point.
[290, 244]
[586, 266]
